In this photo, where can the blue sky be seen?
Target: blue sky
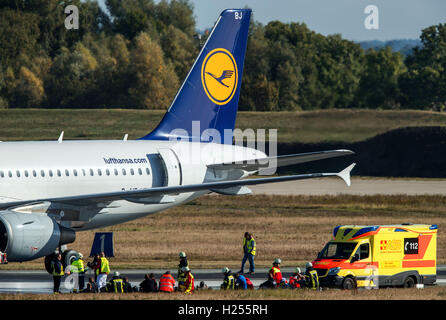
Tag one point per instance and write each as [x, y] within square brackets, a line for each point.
[398, 19]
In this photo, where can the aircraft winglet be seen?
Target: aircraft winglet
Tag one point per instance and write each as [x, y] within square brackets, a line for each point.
[345, 174]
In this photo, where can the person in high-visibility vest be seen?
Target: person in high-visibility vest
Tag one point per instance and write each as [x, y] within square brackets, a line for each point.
[311, 277]
[249, 250]
[274, 275]
[77, 267]
[116, 284]
[228, 281]
[188, 286]
[183, 263]
[102, 271]
[167, 282]
[57, 272]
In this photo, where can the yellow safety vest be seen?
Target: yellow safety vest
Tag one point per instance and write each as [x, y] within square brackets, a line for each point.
[251, 245]
[78, 266]
[313, 279]
[105, 268]
[61, 273]
[118, 285]
[229, 283]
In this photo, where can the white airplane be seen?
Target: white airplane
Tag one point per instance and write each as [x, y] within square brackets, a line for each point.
[49, 190]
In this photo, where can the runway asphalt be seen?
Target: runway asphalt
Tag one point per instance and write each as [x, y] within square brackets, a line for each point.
[359, 186]
[12, 281]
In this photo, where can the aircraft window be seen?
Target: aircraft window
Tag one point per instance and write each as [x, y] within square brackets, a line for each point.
[10, 173]
[140, 171]
[42, 173]
[107, 172]
[132, 172]
[67, 172]
[83, 172]
[116, 172]
[2, 174]
[91, 172]
[75, 172]
[34, 173]
[49, 172]
[147, 171]
[18, 173]
[124, 172]
[99, 172]
[59, 174]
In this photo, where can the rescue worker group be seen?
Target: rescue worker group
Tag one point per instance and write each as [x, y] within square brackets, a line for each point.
[185, 279]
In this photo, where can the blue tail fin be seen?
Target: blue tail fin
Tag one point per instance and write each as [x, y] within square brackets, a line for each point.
[209, 96]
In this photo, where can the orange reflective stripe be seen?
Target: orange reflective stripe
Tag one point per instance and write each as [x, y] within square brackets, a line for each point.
[419, 264]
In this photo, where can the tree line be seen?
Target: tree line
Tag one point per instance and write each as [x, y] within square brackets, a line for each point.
[136, 53]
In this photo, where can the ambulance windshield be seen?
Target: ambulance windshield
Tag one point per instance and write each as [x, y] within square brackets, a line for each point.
[337, 250]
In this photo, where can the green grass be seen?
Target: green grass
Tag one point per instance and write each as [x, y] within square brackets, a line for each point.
[305, 127]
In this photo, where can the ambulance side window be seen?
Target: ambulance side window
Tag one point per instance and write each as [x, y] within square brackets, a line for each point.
[363, 251]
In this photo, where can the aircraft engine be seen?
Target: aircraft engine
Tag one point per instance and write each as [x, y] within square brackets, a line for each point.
[28, 236]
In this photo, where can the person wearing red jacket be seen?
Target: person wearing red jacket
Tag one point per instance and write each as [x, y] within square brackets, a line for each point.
[167, 282]
[274, 276]
[297, 280]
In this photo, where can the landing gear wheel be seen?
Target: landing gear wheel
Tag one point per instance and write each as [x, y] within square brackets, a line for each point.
[68, 257]
[48, 260]
[409, 282]
[348, 284]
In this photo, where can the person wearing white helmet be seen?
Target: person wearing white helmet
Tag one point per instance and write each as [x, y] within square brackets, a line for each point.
[297, 280]
[228, 281]
[189, 284]
[274, 275]
[116, 284]
[183, 263]
[77, 267]
[311, 277]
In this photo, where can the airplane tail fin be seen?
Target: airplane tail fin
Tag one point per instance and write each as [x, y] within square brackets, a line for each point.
[208, 99]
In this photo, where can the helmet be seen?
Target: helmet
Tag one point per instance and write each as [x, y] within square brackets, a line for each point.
[298, 270]
[185, 269]
[277, 261]
[80, 255]
[116, 274]
[225, 270]
[309, 265]
[182, 254]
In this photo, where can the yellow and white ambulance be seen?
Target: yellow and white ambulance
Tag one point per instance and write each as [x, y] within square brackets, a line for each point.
[379, 256]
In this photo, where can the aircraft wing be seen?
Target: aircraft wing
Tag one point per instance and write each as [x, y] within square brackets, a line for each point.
[281, 161]
[140, 195]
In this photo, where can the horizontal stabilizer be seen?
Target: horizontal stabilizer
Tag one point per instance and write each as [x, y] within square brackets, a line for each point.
[345, 174]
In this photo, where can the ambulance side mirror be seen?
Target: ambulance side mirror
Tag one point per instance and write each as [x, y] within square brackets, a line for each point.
[354, 259]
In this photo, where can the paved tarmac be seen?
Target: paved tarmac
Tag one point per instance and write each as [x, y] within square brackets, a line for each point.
[359, 186]
[12, 281]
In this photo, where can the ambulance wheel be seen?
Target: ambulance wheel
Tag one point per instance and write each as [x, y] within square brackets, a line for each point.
[68, 257]
[348, 284]
[409, 282]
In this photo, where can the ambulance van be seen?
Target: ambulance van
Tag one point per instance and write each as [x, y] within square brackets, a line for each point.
[378, 256]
